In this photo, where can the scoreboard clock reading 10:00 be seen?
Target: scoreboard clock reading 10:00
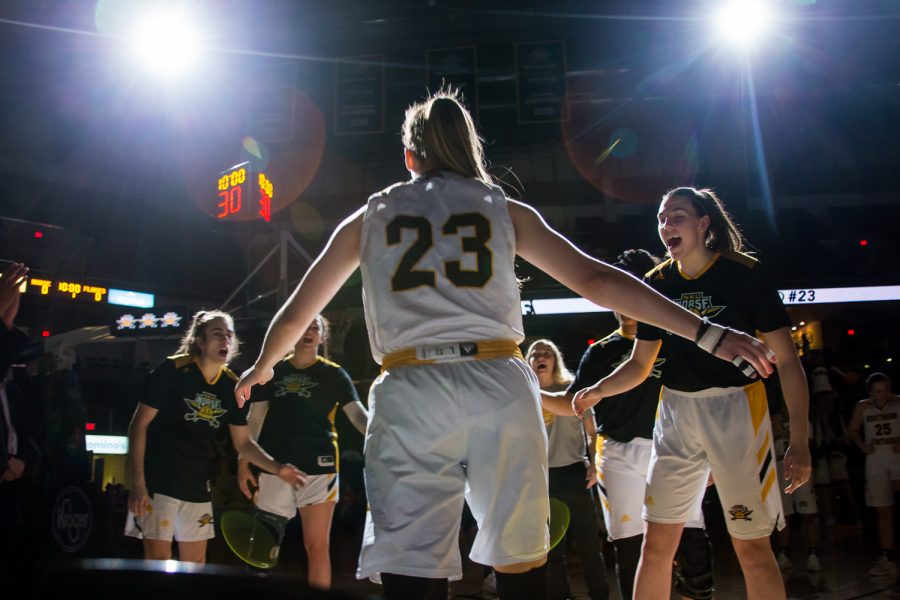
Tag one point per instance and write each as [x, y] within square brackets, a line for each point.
[244, 196]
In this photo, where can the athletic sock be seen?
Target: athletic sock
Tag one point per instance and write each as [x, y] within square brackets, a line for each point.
[407, 587]
[628, 554]
[530, 585]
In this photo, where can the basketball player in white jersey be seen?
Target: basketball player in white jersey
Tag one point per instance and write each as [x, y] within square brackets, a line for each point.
[875, 428]
[456, 410]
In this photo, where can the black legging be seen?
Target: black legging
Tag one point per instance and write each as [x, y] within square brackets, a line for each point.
[568, 484]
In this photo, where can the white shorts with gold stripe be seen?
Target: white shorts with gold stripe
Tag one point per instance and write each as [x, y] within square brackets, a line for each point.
[169, 518]
[443, 432]
[622, 474]
[276, 496]
[726, 430]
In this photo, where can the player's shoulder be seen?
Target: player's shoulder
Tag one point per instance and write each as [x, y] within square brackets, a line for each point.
[740, 258]
[328, 364]
[177, 361]
[230, 374]
[612, 338]
[658, 272]
[391, 189]
[865, 403]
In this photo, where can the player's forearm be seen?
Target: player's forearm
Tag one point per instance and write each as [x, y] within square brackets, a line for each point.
[626, 377]
[252, 452]
[137, 447]
[796, 398]
[357, 415]
[625, 294]
[559, 403]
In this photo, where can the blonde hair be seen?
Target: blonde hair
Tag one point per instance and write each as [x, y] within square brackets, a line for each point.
[198, 327]
[561, 375]
[441, 132]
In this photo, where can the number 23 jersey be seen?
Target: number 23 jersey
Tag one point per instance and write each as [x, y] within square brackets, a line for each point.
[437, 258]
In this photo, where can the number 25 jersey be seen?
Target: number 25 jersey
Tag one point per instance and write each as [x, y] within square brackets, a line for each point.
[437, 260]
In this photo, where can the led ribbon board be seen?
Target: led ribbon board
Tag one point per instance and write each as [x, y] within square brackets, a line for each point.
[878, 293]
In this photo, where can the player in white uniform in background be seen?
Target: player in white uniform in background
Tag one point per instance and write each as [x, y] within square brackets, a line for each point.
[875, 428]
[456, 409]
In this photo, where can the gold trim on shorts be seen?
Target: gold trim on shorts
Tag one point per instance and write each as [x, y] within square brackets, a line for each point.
[433, 354]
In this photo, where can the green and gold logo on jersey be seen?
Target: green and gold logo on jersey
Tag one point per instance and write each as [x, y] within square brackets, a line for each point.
[295, 384]
[699, 304]
[205, 407]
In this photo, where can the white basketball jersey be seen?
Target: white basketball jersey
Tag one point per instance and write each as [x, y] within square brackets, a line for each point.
[437, 260]
[882, 425]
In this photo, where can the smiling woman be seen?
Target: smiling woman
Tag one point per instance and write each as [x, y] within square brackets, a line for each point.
[712, 413]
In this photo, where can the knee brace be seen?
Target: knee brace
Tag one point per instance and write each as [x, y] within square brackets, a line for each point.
[693, 565]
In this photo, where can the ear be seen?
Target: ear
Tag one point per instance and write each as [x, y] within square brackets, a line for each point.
[410, 159]
[704, 223]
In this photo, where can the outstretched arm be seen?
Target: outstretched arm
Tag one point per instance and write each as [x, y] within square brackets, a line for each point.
[559, 403]
[628, 375]
[613, 288]
[323, 280]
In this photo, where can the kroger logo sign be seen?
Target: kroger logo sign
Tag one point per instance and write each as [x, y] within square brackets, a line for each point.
[71, 519]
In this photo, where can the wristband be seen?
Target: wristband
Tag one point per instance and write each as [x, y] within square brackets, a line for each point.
[711, 337]
[704, 326]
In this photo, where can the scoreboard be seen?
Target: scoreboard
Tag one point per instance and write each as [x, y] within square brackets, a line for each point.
[243, 195]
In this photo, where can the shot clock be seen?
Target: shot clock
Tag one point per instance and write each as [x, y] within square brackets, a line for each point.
[243, 195]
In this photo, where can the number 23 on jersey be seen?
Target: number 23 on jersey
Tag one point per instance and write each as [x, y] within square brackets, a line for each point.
[407, 276]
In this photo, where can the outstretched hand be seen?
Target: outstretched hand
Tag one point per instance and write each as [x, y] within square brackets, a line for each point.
[252, 376]
[747, 353]
[586, 398]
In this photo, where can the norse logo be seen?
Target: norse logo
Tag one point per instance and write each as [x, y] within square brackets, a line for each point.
[205, 407]
[739, 511]
[699, 304]
[295, 384]
[205, 519]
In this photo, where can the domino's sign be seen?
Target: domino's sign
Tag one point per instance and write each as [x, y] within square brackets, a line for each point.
[71, 519]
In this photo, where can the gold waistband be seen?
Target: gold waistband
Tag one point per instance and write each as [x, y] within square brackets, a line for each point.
[433, 354]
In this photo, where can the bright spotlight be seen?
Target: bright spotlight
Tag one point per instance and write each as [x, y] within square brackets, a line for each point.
[743, 22]
[165, 41]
